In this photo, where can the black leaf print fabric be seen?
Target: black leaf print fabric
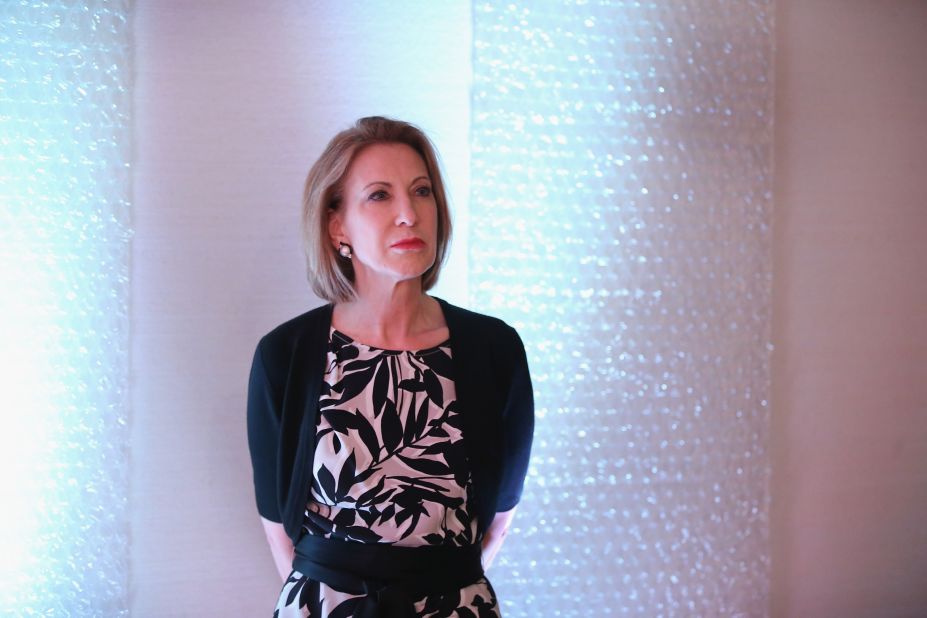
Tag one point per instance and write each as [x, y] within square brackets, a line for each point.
[390, 467]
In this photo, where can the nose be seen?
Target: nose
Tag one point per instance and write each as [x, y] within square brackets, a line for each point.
[405, 211]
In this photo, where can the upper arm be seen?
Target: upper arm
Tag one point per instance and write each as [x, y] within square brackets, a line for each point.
[517, 423]
[263, 437]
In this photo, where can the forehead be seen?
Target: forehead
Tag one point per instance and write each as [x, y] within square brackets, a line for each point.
[388, 162]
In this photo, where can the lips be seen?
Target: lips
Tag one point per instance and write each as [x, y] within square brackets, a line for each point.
[409, 243]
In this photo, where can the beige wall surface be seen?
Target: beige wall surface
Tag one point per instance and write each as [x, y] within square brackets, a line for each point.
[232, 103]
[849, 521]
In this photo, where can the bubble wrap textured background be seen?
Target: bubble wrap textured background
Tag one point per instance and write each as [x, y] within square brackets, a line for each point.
[64, 240]
[620, 219]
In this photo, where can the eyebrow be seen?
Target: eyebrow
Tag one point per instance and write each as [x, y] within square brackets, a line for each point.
[388, 184]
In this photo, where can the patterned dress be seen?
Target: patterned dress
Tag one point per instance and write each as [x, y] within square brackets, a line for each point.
[389, 467]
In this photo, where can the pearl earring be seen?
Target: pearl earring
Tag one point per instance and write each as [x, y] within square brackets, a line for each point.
[345, 250]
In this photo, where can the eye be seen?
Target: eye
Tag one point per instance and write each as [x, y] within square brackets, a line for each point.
[378, 196]
[423, 191]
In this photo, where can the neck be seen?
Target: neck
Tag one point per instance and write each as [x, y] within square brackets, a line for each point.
[390, 316]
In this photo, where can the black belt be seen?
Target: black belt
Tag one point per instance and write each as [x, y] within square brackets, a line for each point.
[392, 577]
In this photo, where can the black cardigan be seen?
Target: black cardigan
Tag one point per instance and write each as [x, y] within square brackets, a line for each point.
[494, 396]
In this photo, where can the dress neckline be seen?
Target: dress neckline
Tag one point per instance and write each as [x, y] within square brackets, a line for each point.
[347, 339]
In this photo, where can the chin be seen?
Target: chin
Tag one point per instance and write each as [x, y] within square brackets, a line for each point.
[416, 269]
[417, 275]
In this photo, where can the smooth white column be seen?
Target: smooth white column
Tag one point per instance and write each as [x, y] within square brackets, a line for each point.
[233, 102]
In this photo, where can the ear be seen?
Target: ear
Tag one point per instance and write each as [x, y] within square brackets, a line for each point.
[336, 229]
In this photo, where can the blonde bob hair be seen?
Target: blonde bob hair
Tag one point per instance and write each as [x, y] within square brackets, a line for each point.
[330, 275]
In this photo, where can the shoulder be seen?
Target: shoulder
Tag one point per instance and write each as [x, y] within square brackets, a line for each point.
[470, 324]
[278, 346]
[484, 337]
[296, 328]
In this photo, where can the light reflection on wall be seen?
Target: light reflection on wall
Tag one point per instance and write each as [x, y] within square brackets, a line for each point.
[64, 186]
[620, 213]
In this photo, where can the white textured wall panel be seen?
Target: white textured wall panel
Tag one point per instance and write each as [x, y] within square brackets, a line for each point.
[64, 332]
[620, 218]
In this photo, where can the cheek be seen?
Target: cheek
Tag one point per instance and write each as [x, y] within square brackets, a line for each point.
[433, 215]
[367, 233]
[355, 225]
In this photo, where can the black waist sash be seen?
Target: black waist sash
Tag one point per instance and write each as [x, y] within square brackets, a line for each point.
[392, 577]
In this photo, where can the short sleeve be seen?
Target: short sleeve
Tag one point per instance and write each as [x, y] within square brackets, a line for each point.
[263, 437]
[517, 423]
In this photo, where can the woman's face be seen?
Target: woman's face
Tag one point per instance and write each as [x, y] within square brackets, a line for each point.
[388, 215]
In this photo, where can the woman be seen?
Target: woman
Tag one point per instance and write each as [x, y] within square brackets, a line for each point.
[389, 430]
